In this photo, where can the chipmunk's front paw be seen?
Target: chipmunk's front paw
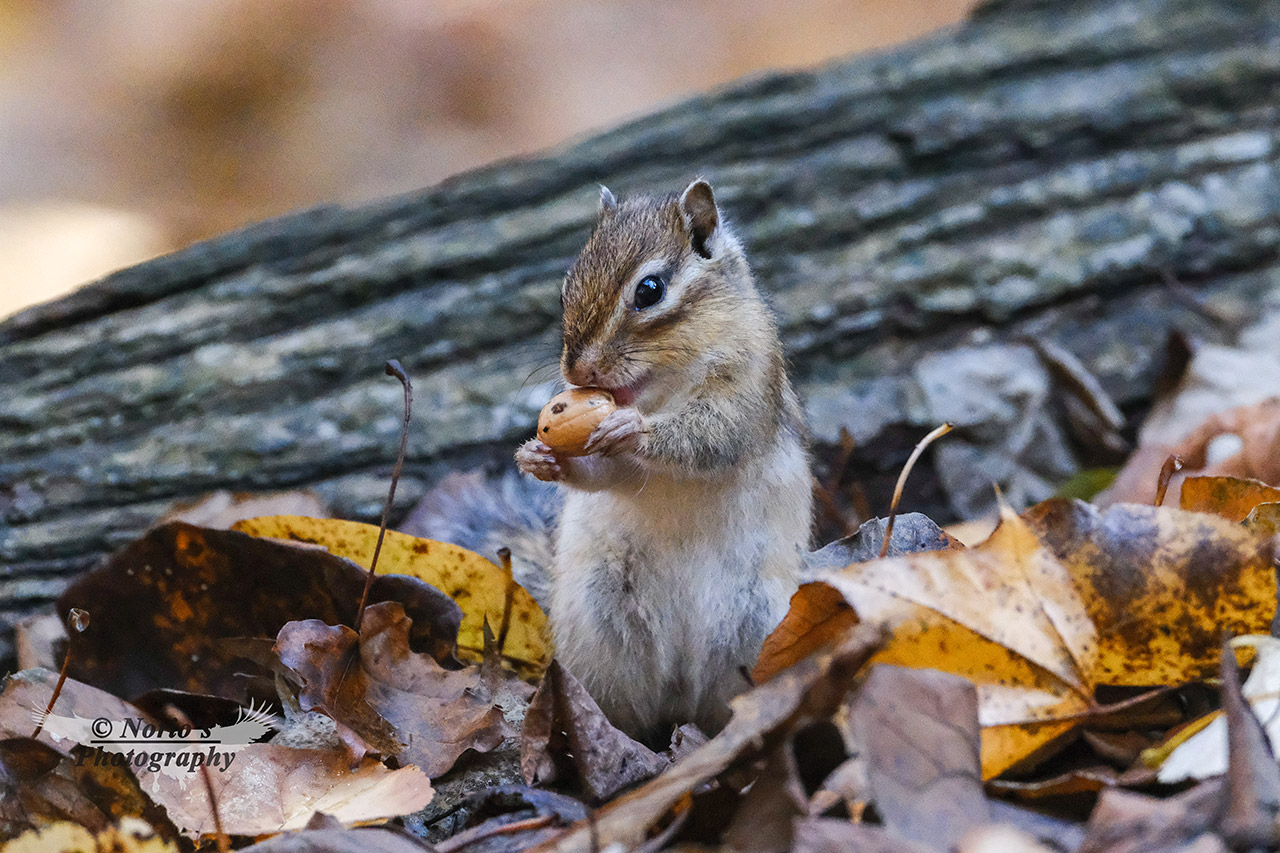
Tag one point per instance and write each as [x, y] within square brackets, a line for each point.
[620, 432]
[537, 459]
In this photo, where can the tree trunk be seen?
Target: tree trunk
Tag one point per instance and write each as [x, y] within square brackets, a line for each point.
[1089, 175]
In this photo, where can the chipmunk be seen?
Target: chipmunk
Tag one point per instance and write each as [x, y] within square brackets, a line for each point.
[681, 533]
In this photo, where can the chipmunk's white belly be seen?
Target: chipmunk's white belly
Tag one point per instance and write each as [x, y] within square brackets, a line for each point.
[664, 592]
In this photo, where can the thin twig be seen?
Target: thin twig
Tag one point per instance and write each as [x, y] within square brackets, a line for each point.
[393, 369]
[525, 825]
[77, 621]
[902, 480]
[1171, 466]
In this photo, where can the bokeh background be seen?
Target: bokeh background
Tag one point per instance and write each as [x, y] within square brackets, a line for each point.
[130, 128]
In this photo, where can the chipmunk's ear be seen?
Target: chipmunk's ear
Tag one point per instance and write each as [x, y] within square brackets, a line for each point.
[608, 204]
[698, 208]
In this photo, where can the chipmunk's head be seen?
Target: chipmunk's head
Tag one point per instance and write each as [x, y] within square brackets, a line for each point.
[659, 287]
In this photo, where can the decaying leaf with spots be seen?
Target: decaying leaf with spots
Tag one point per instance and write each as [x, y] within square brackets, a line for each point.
[162, 606]
[130, 835]
[1054, 604]
[819, 615]
[480, 588]
[1163, 586]
[1003, 615]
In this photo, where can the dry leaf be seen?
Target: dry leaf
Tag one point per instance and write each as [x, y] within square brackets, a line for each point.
[1002, 614]
[439, 713]
[1125, 822]
[566, 737]
[1232, 498]
[917, 731]
[1163, 586]
[387, 698]
[477, 585]
[321, 660]
[359, 840]
[1253, 778]
[812, 689]
[824, 835]
[162, 606]
[222, 509]
[1257, 430]
[271, 788]
[764, 819]
[131, 835]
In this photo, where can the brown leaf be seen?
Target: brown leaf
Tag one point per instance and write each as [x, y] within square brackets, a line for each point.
[764, 819]
[162, 605]
[385, 697]
[512, 817]
[1253, 778]
[819, 618]
[1232, 498]
[1258, 428]
[824, 835]
[359, 840]
[918, 732]
[36, 789]
[812, 689]
[322, 659]
[1124, 822]
[439, 713]
[567, 736]
[221, 509]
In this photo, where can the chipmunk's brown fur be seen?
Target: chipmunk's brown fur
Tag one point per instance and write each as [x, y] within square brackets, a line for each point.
[681, 533]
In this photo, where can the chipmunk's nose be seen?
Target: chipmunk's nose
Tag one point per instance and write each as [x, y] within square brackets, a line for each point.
[582, 373]
[582, 366]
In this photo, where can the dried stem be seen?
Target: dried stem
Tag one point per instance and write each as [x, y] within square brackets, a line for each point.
[77, 621]
[1171, 466]
[902, 480]
[393, 369]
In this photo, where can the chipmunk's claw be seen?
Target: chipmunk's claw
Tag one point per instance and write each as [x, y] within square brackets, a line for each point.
[620, 432]
[535, 458]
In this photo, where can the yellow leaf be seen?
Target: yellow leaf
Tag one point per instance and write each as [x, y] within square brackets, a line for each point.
[1230, 497]
[1163, 586]
[1002, 614]
[477, 585]
[132, 835]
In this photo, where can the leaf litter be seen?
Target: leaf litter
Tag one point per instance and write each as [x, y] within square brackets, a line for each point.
[912, 702]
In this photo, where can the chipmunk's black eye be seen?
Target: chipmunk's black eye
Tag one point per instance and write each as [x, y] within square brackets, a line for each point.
[649, 292]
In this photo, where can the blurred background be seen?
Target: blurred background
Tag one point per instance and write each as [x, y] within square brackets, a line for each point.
[135, 127]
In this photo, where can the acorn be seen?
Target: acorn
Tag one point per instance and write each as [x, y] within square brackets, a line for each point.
[570, 417]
